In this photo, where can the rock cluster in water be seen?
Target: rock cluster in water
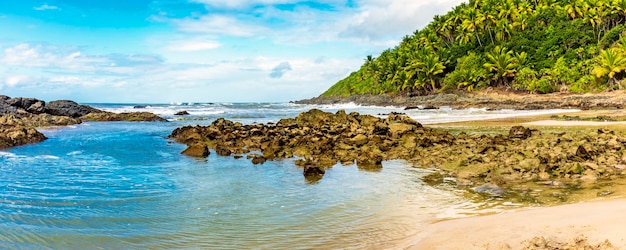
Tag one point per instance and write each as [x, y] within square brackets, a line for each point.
[19, 116]
[321, 140]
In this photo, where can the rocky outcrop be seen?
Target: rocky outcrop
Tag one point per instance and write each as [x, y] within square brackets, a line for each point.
[133, 117]
[197, 150]
[184, 112]
[489, 99]
[19, 116]
[11, 136]
[322, 139]
[68, 108]
[486, 163]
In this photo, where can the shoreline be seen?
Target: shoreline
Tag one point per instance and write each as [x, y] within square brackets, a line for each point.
[593, 222]
[489, 99]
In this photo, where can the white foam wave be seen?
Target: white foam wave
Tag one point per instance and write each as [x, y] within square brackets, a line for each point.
[7, 154]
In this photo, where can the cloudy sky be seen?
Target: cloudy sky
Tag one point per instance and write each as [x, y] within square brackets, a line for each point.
[195, 50]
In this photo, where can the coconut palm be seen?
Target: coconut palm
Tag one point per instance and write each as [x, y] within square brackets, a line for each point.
[609, 64]
[501, 63]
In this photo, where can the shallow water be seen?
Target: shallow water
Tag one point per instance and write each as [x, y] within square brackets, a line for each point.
[124, 185]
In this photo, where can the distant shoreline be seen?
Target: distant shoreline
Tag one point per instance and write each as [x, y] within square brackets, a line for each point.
[489, 99]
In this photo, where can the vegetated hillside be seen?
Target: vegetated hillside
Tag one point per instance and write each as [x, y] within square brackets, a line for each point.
[541, 46]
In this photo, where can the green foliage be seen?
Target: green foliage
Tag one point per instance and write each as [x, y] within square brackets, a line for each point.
[469, 73]
[540, 46]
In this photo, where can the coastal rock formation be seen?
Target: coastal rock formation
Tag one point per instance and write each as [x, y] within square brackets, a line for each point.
[501, 160]
[133, 117]
[19, 116]
[490, 100]
[322, 139]
[11, 136]
[197, 150]
[68, 108]
[184, 112]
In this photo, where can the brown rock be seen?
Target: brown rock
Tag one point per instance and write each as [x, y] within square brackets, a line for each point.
[197, 150]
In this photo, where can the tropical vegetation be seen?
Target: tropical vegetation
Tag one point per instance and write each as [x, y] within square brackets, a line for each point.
[540, 46]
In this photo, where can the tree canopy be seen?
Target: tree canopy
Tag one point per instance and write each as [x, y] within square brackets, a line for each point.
[540, 46]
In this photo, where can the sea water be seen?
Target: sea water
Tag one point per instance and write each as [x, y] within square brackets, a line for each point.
[123, 185]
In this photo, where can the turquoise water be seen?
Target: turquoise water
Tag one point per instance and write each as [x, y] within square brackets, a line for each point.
[122, 185]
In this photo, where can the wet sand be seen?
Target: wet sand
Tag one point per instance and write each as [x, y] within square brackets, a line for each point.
[596, 221]
[571, 123]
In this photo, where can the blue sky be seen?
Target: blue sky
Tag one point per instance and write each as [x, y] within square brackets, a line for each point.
[195, 50]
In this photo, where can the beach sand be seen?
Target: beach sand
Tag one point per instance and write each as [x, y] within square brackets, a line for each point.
[562, 227]
[571, 123]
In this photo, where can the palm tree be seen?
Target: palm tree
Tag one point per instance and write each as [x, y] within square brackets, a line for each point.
[501, 64]
[425, 70]
[610, 63]
[575, 9]
[473, 21]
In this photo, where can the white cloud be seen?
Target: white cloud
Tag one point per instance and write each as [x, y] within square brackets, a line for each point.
[220, 25]
[45, 6]
[193, 45]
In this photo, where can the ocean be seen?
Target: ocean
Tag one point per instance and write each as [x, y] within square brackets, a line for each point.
[123, 185]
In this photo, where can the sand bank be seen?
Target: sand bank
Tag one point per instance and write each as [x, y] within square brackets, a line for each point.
[571, 123]
[596, 221]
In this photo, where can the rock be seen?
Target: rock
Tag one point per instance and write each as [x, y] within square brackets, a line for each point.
[30, 105]
[132, 116]
[68, 108]
[359, 140]
[140, 107]
[197, 150]
[430, 107]
[11, 136]
[313, 171]
[520, 132]
[490, 189]
[257, 159]
[583, 153]
[184, 112]
[222, 150]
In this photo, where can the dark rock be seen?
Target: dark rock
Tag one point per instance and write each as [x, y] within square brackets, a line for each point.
[411, 107]
[257, 159]
[68, 108]
[184, 112]
[197, 150]
[313, 171]
[430, 107]
[140, 107]
[31, 105]
[583, 153]
[222, 150]
[490, 189]
[520, 132]
[132, 116]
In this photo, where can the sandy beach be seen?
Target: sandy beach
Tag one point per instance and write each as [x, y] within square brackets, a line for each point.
[564, 226]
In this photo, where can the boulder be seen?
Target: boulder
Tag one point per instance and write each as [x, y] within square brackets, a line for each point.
[197, 150]
[313, 171]
[31, 105]
[184, 112]
[68, 108]
[11, 136]
[520, 132]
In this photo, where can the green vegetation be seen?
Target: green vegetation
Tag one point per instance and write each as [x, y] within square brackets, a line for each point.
[540, 46]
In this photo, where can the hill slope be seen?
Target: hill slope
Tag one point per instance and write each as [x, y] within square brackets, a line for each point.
[541, 46]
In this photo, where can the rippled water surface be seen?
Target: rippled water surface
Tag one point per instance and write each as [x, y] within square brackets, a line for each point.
[124, 185]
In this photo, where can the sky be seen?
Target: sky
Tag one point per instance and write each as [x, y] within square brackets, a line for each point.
[160, 51]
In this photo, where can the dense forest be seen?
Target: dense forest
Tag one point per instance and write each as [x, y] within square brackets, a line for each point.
[540, 46]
